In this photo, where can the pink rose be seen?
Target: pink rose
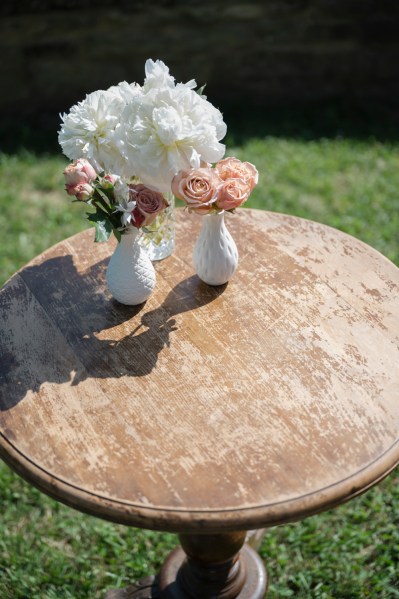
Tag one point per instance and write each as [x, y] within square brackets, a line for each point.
[82, 191]
[198, 188]
[109, 180]
[79, 171]
[232, 168]
[149, 204]
[78, 176]
[232, 193]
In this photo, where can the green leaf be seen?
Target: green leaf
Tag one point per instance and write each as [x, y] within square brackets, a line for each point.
[102, 225]
[105, 197]
[200, 90]
[117, 234]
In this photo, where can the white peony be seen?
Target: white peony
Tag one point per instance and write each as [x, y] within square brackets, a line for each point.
[150, 132]
[126, 91]
[165, 130]
[88, 129]
[157, 75]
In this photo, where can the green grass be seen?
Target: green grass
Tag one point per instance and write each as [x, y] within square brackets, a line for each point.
[48, 551]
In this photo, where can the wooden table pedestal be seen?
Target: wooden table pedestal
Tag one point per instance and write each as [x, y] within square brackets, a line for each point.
[214, 566]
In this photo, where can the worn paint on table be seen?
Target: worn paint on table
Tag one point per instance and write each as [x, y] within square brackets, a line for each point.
[235, 407]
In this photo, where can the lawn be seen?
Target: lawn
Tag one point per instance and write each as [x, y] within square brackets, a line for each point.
[346, 179]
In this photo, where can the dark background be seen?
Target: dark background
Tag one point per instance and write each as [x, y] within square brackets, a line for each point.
[258, 59]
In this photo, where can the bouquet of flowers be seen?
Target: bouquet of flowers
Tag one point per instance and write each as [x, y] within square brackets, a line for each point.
[129, 142]
[210, 190]
[118, 205]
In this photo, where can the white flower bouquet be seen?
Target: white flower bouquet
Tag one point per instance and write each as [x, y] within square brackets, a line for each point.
[129, 142]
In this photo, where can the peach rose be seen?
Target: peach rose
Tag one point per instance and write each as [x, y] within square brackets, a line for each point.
[198, 188]
[232, 168]
[149, 204]
[232, 193]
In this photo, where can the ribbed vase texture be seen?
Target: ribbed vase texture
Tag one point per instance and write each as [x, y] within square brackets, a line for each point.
[130, 274]
[215, 254]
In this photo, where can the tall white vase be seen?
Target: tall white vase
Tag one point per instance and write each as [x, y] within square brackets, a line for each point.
[215, 254]
[130, 274]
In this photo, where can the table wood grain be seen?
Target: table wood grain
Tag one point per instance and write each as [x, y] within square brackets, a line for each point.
[226, 408]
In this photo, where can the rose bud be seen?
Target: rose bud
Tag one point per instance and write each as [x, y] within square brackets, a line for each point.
[109, 181]
[82, 192]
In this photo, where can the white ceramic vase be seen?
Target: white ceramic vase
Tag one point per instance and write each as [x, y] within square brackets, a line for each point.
[130, 274]
[215, 255]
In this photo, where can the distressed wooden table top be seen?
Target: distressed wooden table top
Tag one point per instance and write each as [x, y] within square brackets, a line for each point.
[260, 402]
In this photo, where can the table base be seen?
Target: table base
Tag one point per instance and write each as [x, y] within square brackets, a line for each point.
[217, 566]
[250, 580]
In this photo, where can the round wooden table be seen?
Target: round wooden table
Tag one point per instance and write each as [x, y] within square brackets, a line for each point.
[207, 411]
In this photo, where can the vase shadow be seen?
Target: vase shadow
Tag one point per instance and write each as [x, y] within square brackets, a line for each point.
[98, 337]
[136, 353]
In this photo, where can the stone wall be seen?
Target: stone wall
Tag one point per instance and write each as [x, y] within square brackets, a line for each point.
[55, 51]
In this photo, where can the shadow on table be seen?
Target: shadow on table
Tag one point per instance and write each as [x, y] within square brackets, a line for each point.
[79, 333]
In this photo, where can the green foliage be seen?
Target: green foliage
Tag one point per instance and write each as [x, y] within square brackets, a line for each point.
[102, 225]
[49, 551]
[200, 90]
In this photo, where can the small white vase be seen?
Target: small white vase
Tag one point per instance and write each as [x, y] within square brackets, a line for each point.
[215, 254]
[130, 274]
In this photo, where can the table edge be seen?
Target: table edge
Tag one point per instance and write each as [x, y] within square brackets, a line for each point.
[210, 520]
